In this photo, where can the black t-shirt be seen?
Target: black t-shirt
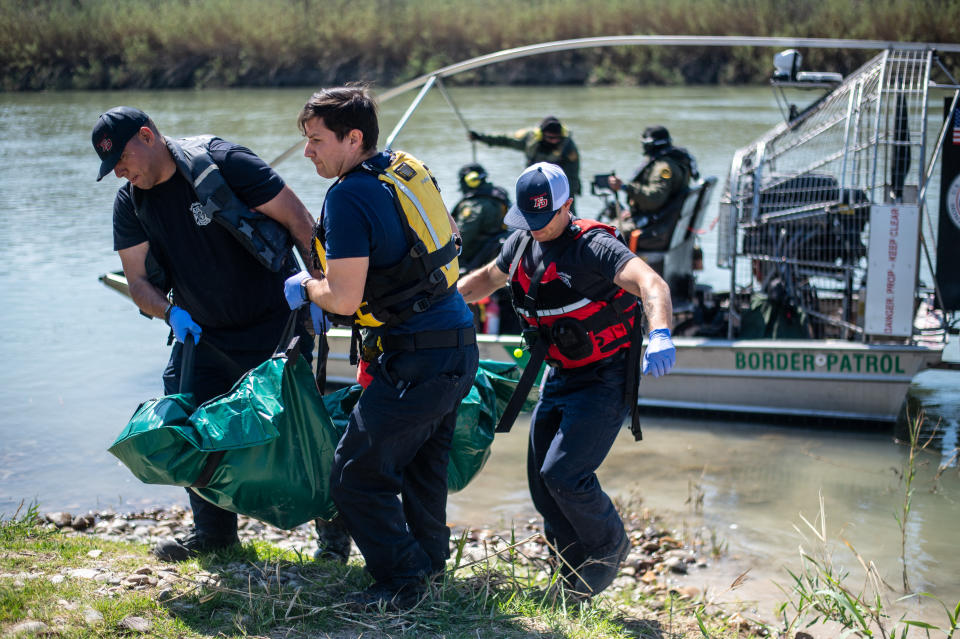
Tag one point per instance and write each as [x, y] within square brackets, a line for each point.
[589, 264]
[237, 301]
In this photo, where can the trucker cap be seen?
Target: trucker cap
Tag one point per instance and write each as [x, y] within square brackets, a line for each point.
[112, 132]
[541, 190]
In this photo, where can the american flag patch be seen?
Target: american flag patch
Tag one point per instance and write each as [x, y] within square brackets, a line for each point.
[956, 125]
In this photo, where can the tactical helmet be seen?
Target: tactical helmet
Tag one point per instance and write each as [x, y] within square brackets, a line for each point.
[655, 138]
[471, 176]
[551, 124]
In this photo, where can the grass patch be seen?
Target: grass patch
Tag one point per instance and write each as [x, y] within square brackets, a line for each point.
[75, 585]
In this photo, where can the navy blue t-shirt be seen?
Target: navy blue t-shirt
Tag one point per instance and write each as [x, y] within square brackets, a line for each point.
[236, 300]
[593, 261]
[360, 219]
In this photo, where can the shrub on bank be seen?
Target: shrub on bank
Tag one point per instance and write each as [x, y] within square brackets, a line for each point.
[102, 44]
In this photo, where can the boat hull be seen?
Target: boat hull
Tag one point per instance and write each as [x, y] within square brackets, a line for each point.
[825, 379]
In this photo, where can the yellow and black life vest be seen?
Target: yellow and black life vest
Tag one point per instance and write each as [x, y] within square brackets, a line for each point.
[428, 271]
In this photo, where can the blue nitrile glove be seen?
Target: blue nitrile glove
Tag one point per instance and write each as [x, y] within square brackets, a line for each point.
[294, 290]
[660, 355]
[321, 323]
[183, 325]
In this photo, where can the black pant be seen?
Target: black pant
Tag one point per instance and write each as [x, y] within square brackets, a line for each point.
[572, 429]
[397, 442]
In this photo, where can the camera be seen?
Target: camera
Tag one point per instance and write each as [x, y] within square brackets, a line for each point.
[600, 183]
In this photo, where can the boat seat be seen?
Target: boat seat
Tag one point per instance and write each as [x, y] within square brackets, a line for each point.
[657, 234]
[676, 222]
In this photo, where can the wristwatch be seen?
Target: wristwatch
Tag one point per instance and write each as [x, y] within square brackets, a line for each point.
[303, 289]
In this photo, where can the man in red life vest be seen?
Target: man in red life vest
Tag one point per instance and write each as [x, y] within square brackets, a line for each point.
[577, 286]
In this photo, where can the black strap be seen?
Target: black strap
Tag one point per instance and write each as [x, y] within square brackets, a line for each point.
[209, 467]
[538, 350]
[355, 341]
[519, 255]
[451, 338]
[323, 352]
[186, 365]
[537, 354]
[632, 381]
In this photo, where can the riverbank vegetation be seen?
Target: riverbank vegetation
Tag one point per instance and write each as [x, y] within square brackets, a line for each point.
[102, 44]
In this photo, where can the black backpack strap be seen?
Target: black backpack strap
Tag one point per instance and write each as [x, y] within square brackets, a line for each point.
[538, 353]
[632, 381]
[538, 350]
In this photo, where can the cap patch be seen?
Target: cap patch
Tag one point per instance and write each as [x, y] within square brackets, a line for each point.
[105, 144]
[539, 201]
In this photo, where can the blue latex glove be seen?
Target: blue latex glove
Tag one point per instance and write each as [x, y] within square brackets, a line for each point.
[660, 355]
[294, 291]
[320, 320]
[183, 325]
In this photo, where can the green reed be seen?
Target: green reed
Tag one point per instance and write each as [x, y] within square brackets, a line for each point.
[101, 44]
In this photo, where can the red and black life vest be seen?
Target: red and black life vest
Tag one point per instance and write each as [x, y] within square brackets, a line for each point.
[581, 327]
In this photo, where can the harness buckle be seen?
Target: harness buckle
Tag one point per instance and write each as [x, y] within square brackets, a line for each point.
[419, 249]
[421, 305]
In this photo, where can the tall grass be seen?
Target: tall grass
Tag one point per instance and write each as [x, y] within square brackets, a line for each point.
[107, 44]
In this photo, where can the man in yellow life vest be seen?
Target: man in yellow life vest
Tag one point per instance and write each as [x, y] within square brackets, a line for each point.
[388, 249]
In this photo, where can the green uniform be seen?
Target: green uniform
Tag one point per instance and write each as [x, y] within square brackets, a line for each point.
[479, 215]
[564, 154]
[656, 182]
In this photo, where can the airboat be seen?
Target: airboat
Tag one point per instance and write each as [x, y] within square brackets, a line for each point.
[838, 295]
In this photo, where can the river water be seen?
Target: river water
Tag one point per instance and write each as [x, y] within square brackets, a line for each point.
[77, 358]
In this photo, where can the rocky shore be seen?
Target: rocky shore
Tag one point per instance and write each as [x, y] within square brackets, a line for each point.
[77, 574]
[651, 578]
[656, 558]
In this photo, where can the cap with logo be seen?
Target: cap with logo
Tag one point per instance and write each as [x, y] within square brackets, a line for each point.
[112, 132]
[541, 190]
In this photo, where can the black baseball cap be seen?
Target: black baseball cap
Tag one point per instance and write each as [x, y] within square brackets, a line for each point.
[542, 190]
[112, 132]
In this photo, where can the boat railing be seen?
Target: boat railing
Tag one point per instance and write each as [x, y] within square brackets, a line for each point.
[800, 200]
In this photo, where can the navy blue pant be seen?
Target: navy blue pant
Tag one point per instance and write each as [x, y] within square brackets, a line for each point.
[209, 380]
[397, 442]
[572, 429]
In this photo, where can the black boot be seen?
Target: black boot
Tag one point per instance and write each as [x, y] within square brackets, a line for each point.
[598, 571]
[333, 540]
[190, 546]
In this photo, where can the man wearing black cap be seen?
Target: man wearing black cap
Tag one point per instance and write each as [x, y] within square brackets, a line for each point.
[549, 142]
[576, 287]
[203, 228]
[665, 171]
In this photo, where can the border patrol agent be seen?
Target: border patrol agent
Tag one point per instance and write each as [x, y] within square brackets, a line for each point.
[576, 286]
[388, 251]
[549, 142]
[203, 228]
[666, 170]
[479, 216]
